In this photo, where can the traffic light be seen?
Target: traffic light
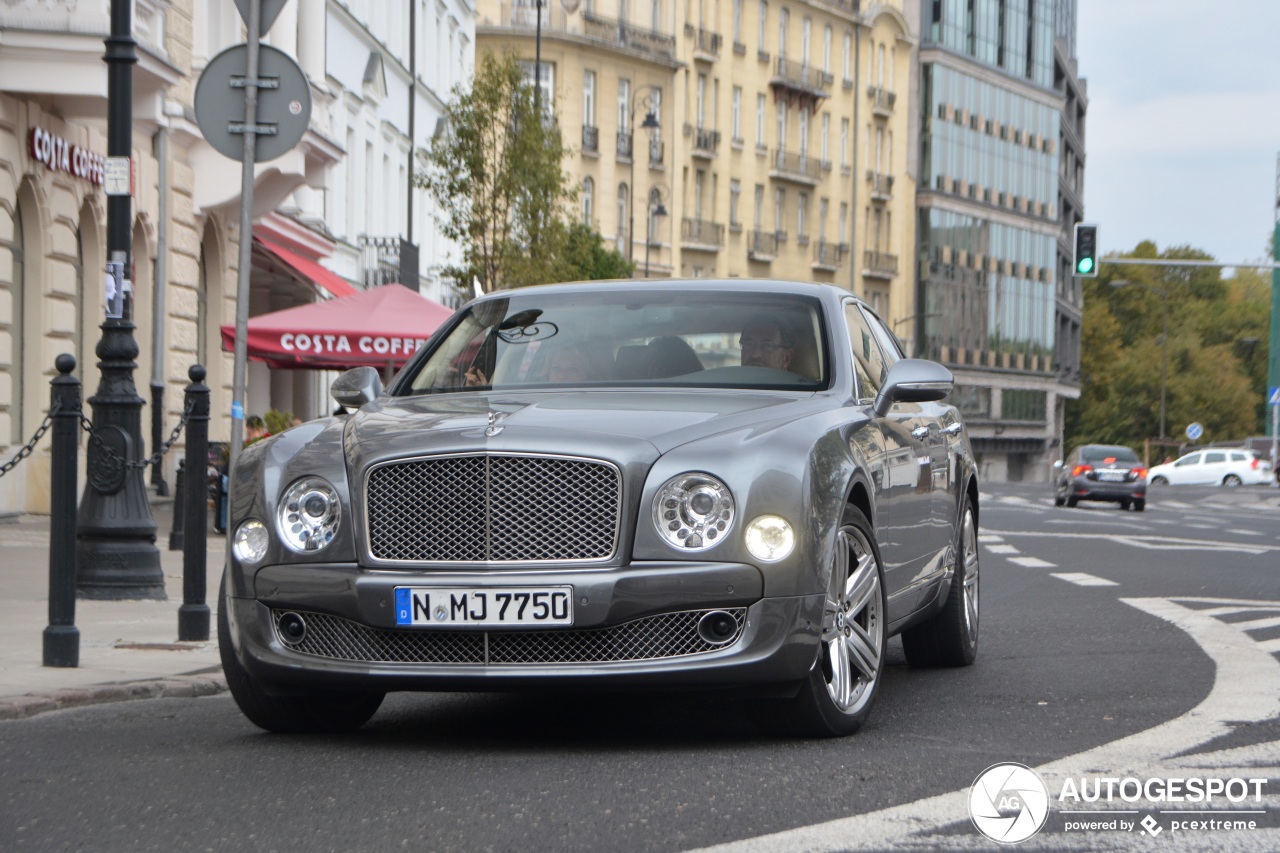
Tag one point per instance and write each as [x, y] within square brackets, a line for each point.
[1086, 250]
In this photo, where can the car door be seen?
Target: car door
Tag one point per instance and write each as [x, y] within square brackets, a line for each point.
[945, 426]
[1187, 470]
[903, 509]
[1215, 467]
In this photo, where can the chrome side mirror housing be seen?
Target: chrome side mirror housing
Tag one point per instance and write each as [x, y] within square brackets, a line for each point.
[913, 380]
[357, 386]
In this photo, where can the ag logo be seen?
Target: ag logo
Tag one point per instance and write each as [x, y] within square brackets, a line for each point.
[1008, 803]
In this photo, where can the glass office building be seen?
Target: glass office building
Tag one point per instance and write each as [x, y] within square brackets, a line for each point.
[990, 220]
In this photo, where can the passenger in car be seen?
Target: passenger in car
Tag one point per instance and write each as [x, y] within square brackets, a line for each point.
[766, 342]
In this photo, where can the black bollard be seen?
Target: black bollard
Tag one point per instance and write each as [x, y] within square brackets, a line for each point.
[62, 637]
[193, 615]
[179, 506]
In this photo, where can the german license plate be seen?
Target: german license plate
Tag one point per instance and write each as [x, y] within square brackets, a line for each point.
[480, 608]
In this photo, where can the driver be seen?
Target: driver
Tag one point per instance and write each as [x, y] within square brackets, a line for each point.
[765, 342]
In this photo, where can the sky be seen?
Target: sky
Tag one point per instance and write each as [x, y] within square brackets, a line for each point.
[1182, 132]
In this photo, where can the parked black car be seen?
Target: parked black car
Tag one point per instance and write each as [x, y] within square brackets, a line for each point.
[1101, 472]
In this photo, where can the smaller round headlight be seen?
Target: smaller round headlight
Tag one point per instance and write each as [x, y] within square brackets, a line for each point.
[250, 542]
[309, 514]
[770, 538]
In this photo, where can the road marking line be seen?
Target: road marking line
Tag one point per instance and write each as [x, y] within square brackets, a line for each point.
[1148, 542]
[1258, 624]
[1033, 563]
[1200, 526]
[1002, 549]
[1246, 689]
[1082, 579]
[989, 537]
[1176, 504]
[1272, 646]
[1245, 532]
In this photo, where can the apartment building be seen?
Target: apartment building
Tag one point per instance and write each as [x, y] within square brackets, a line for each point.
[333, 214]
[1001, 164]
[734, 138]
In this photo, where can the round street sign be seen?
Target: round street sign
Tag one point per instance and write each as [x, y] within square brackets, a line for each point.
[1194, 431]
[285, 108]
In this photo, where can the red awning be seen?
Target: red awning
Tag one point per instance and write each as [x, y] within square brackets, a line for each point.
[375, 327]
[307, 270]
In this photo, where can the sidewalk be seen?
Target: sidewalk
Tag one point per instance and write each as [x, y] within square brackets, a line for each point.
[128, 649]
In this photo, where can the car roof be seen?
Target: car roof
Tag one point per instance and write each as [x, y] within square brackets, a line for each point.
[684, 285]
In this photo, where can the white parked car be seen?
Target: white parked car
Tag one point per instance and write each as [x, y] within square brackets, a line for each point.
[1225, 466]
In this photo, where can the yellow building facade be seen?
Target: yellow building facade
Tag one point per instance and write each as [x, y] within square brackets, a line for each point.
[735, 138]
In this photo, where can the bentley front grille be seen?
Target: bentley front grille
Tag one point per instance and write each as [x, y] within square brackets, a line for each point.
[667, 635]
[493, 509]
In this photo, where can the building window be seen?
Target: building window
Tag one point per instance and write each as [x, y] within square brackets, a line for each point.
[784, 17]
[545, 83]
[779, 208]
[758, 213]
[764, 21]
[588, 200]
[825, 143]
[589, 98]
[826, 48]
[735, 122]
[806, 33]
[760, 102]
[802, 215]
[624, 106]
[844, 142]
[735, 193]
[622, 218]
[737, 21]
[846, 63]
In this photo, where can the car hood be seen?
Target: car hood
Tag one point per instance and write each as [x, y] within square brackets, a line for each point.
[579, 422]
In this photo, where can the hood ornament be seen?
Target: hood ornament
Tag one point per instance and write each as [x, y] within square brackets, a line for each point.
[494, 427]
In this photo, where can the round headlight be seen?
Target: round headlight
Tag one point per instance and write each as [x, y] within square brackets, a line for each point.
[769, 538]
[309, 514]
[250, 542]
[693, 511]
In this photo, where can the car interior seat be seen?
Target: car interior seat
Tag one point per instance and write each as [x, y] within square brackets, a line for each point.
[672, 356]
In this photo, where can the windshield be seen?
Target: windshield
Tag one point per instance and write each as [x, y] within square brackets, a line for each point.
[1101, 454]
[625, 337]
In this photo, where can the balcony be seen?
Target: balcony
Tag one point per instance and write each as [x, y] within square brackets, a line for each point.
[701, 234]
[828, 256]
[624, 146]
[798, 168]
[705, 142]
[849, 7]
[655, 153]
[882, 101]
[879, 264]
[387, 260]
[802, 80]
[590, 139]
[762, 246]
[706, 44]
[881, 186]
[624, 34]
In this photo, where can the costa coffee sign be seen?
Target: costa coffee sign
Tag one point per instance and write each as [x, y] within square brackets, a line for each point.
[61, 156]
[321, 343]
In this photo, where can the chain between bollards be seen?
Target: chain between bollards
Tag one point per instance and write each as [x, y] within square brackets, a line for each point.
[193, 615]
[62, 637]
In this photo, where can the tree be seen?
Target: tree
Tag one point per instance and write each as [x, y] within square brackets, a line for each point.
[496, 178]
[587, 258]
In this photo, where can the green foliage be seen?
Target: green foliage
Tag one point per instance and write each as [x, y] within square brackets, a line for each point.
[277, 421]
[496, 178]
[1215, 355]
[587, 258]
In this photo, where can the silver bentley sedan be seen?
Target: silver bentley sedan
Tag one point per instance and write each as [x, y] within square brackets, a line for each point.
[737, 485]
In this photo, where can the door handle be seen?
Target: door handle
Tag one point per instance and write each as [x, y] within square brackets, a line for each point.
[920, 433]
[953, 430]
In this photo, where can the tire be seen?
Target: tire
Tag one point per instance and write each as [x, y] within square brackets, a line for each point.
[951, 637]
[1071, 502]
[1125, 505]
[332, 713]
[1059, 500]
[1159, 481]
[836, 698]
[1139, 504]
[1231, 481]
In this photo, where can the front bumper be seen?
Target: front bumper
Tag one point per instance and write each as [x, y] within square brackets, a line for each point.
[634, 627]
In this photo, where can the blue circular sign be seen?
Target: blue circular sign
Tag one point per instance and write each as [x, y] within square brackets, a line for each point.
[1194, 431]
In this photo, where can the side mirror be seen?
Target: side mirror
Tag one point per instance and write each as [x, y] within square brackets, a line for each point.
[357, 386]
[913, 380]
[1057, 465]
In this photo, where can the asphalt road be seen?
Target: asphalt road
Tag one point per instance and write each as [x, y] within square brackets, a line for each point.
[1113, 642]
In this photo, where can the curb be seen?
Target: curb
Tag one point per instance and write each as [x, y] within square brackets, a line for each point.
[209, 682]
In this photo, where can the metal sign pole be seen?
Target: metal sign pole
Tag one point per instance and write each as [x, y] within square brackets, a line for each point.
[254, 23]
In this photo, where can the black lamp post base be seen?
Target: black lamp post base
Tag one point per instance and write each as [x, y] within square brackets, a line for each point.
[193, 622]
[115, 570]
[62, 646]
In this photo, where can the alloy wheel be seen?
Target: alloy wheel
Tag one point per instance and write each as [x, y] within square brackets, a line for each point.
[853, 627]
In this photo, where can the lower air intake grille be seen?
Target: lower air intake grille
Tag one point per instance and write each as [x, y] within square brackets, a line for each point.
[667, 635]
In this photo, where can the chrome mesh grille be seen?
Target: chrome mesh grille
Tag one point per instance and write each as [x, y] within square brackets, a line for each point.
[488, 508]
[667, 635]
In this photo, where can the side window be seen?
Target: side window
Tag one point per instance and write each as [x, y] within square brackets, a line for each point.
[888, 343]
[1239, 457]
[868, 362]
[1211, 458]
[1193, 459]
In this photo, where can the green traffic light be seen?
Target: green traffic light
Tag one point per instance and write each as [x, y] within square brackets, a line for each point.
[1085, 266]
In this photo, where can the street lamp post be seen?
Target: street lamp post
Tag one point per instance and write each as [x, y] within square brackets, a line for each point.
[116, 551]
[648, 96]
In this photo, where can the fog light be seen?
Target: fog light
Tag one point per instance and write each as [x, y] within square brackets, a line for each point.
[770, 538]
[250, 542]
